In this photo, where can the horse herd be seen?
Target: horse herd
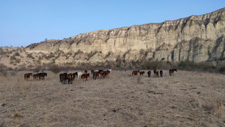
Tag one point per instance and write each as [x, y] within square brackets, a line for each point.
[156, 72]
[70, 77]
[37, 76]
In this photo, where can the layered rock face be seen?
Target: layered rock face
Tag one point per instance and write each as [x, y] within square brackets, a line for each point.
[195, 38]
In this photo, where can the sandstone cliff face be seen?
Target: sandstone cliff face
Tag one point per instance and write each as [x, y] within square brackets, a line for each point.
[195, 38]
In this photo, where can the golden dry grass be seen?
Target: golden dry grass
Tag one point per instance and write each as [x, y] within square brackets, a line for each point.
[186, 99]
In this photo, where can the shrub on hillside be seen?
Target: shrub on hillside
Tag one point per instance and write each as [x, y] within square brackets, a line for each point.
[12, 58]
[30, 56]
[16, 54]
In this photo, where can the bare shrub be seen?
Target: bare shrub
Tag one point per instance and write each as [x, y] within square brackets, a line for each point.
[54, 68]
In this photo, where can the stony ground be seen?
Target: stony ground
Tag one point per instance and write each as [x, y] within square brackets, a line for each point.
[186, 99]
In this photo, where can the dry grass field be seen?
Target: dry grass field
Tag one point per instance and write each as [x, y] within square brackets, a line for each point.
[188, 99]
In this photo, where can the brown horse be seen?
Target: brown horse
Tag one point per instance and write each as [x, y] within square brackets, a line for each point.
[141, 72]
[27, 76]
[63, 77]
[103, 75]
[70, 78]
[171, 71]
[85, 76]
[95, 75]
[135, 73]
[42, 75]
[156, 73]
[35, 77]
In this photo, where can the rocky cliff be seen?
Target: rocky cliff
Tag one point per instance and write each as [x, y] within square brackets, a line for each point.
[195, 38]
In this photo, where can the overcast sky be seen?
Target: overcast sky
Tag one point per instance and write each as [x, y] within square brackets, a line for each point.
[23, 22]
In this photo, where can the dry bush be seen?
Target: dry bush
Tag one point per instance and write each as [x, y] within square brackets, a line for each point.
[55, 69]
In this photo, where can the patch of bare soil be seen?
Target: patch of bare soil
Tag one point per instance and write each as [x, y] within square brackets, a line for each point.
[185, 99]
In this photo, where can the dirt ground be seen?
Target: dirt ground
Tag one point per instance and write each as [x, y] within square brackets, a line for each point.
[186, 99]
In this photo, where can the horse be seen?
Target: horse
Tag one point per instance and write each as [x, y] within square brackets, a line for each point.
[75, 74]
[95, 75]
[171, 71]
[27, 76]
[100, 71]
[149, 73]
[63, 77]
[70, 78]
[79, 74]
[141, 72]
[103, 75]
[42, 75]
[156, 73]
[135, 73]
[85, 76]
[161, 73]
[35, 77]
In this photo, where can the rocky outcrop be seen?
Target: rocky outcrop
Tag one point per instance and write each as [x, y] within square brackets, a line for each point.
[195, 38]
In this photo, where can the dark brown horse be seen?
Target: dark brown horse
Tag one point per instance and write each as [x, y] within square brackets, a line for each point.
[149, 73]
[142, 72]
[85, 76]
[40, 76]
[161, 73]
[135, 72]
[63, 78]
[171, 71]
[95, 75]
